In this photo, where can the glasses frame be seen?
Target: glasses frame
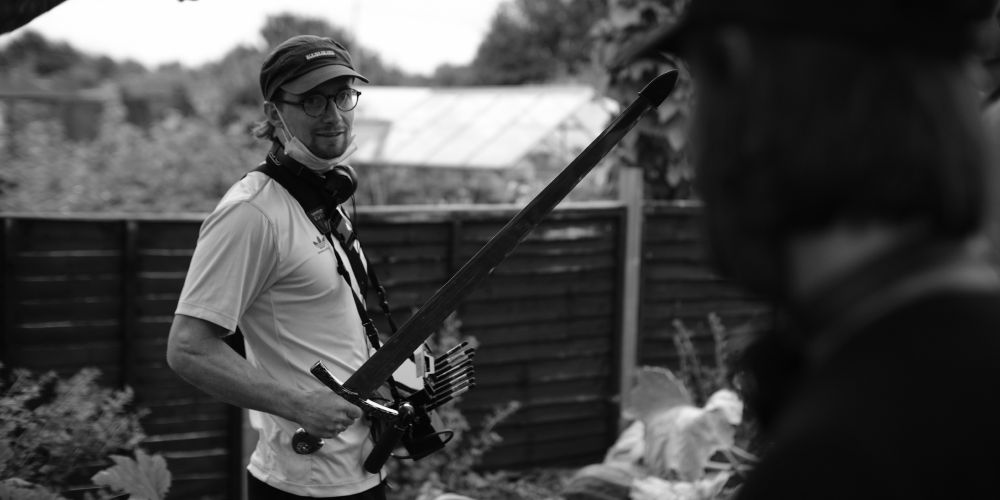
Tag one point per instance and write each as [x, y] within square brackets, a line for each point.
[326, 103]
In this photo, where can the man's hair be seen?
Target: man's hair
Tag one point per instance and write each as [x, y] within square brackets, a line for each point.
[264, 129]
[825, 133]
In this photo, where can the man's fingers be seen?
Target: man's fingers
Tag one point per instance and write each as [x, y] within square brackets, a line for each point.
[352, 412]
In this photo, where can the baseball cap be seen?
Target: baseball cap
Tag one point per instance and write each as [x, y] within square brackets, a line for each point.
[303, 62]
[945, 27]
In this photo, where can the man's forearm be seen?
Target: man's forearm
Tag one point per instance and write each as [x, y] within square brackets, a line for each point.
[197, 353]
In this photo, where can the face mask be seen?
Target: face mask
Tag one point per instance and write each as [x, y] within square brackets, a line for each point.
[298, 151]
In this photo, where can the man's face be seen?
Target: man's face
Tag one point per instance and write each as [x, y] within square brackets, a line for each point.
[328, 134]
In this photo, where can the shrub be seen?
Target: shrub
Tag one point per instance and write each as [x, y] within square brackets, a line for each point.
[451, 469]
[57, 432]
[700, 378]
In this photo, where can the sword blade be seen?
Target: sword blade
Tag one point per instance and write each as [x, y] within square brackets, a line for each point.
[398, 348]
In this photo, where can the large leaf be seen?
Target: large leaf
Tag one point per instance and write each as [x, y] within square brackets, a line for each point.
[656, 391]
[628, 448]
[682, 439]
[145, 478]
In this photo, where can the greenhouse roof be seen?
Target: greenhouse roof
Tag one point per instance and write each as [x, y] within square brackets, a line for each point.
[471, 127]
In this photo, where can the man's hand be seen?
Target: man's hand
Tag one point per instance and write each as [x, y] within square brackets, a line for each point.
[325, 414]
[197, 352]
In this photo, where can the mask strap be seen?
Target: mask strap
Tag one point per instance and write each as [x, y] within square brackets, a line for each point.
[284, 126]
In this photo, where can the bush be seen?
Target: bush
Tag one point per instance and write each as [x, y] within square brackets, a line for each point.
[58, 432]
[178, 165]
[451, 469]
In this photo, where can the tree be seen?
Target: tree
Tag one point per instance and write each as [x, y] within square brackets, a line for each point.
[34, 62]
[227, 91]
[284, 26]
[658, 144]
[534, 41]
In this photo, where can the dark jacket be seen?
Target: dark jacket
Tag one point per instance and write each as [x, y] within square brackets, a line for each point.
[902, 409]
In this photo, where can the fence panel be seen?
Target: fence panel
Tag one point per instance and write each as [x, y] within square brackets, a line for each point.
[546, 320]
[101, 291]
[680, 290]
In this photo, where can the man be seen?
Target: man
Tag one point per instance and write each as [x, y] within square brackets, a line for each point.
[262, 264]
[844, 171]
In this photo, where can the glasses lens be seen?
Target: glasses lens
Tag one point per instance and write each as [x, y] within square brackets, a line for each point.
[347, 99]
[314, 105]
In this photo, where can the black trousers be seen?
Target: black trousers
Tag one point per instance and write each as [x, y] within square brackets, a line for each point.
[259, 490]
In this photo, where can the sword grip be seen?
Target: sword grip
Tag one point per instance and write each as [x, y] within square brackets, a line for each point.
[388, 441]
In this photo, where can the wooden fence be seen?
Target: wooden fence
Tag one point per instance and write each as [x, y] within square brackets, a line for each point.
[100, 291]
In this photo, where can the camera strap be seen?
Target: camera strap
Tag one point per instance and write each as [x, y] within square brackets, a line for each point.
[307, 189]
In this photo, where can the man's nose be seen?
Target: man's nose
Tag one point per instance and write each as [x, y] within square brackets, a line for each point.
[332, 113]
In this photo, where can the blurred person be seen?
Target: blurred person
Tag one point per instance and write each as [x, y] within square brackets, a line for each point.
[844, 170]
[292, 287]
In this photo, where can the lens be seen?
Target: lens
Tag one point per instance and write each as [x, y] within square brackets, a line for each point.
[314, 105]
[347, 99]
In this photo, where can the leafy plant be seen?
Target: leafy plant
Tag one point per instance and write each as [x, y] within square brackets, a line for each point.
[52, 429]
[658, 144]
[144, 478]
[19, 489]
[451, 469]
[702, 379]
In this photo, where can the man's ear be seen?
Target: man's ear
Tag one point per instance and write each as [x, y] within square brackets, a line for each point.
[271, 112]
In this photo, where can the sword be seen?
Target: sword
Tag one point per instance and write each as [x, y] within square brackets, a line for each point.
[399, 347]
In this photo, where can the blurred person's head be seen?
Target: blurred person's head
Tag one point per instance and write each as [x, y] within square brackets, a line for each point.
[862, 118]
[307, 85]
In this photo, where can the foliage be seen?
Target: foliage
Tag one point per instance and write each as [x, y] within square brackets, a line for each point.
[676, 448]
[51, 429]
[451, 469]
[144, 478]
[704, 380]
[31, 62]
[19, 489]
[658, 144]
[368, 62]
[535, 42]
[173, 139]
[179, 165]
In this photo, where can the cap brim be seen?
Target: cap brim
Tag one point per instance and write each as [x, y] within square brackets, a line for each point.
[319, 75]
[664, 39]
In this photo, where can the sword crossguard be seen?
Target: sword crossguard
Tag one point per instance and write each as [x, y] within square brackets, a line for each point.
[304, 443]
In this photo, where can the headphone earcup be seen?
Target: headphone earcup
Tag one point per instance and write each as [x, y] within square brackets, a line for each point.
[341, 183]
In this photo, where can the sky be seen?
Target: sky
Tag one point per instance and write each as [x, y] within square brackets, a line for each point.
[416, 35]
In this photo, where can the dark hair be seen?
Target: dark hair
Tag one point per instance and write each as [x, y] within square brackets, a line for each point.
[826, 133]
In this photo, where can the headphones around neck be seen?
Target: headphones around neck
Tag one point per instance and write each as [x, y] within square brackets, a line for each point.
[340, 183]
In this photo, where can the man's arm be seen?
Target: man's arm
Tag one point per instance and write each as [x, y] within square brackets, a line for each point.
[197, 352]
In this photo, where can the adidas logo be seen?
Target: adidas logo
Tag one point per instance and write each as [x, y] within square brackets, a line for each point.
[320, 243]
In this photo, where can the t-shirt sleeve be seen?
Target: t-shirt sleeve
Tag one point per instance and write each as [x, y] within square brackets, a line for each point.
[235, 255]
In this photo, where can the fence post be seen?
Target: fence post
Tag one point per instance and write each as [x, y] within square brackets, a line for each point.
[130, 288]
[6, 289]
[630, 192]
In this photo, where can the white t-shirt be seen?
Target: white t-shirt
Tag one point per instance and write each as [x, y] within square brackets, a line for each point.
[261, 264]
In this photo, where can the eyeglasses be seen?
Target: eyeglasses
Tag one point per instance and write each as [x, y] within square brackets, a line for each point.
[315, 105]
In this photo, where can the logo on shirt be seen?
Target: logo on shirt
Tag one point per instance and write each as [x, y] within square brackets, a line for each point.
[321, 243]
